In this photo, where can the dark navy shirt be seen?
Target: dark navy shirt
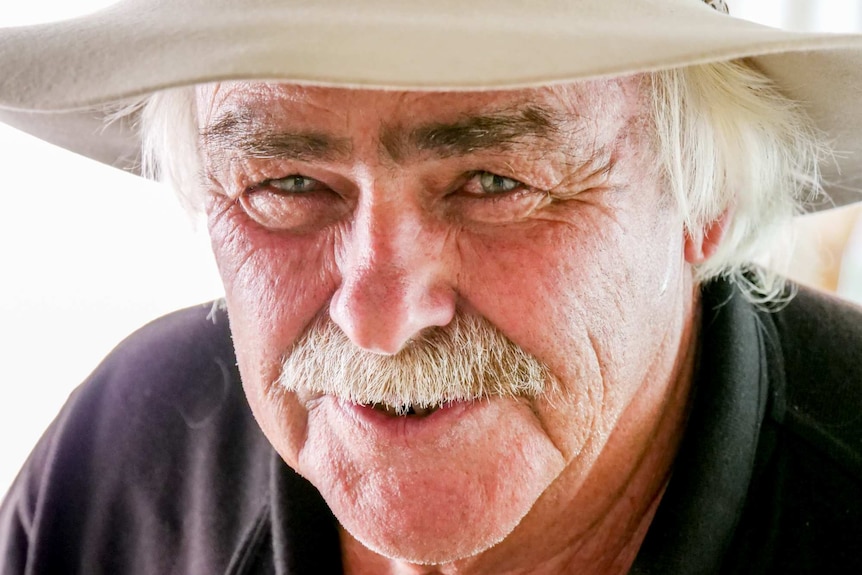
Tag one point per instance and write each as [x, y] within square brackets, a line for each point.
[156, 465]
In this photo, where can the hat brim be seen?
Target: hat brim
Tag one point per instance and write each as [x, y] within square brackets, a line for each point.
[55, 74]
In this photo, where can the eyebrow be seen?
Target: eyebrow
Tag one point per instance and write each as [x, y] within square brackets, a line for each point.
[243, 132]
[497, 131]
[501, 131]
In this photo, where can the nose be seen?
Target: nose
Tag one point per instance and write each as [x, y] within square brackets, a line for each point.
[395, 278]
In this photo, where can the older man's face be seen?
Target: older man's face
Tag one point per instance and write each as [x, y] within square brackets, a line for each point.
[355, 225]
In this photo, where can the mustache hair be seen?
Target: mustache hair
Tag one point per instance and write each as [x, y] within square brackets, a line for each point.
[465, 360]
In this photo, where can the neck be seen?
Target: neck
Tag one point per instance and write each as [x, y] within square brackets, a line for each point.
[599, 527]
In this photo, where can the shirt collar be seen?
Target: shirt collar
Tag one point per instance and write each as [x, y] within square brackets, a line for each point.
[697, 516]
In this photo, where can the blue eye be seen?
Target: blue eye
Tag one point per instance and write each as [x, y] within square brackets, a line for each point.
[496, 184]
[295, 184]
[294, 202]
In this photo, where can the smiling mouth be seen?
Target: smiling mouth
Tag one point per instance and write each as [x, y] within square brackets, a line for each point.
[404, 411]
[418, 421]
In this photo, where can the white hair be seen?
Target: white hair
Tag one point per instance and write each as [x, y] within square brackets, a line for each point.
[730, 141]
[727, 138]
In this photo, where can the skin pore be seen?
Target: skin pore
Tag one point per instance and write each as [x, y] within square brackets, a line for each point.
[388, 214]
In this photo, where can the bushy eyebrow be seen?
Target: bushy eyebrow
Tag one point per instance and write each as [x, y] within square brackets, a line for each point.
[496, 131]
[243, 132]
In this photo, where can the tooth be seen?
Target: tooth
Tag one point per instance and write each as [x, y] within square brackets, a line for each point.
[404, 410]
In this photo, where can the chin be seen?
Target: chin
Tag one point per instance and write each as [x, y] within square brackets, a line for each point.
[429, 546]
[432, 489]
[438, 511]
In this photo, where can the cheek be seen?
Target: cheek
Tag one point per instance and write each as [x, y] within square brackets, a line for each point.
[590, 297]
[275, 284]
[542, 285]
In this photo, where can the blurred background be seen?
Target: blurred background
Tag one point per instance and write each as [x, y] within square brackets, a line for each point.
[89, 253]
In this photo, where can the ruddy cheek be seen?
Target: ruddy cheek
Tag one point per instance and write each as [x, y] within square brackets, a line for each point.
[275, 284]
[279, 277]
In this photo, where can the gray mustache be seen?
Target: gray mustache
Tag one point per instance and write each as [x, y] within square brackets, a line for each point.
[466, 360]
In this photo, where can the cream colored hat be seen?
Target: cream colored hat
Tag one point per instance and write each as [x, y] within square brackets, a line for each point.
[52, 75]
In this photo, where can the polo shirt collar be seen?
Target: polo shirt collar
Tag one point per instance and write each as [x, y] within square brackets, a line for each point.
[696, 519]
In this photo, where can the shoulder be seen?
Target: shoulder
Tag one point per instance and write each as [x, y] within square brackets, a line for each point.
[163, 386]
[142, 465]
[820, 342]
[182, 363]
[804, 511]
[189, 340]
[821, 337]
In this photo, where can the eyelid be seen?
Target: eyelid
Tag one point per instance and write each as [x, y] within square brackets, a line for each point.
[515, 183]
[289, 209]
[250, 174]
[311, 182]
[272, 185]
[475, 186]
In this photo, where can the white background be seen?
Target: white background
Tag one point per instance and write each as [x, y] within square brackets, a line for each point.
[88, 254]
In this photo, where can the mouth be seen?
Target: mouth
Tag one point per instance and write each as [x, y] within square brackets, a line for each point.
[408, 424]
[403, 410]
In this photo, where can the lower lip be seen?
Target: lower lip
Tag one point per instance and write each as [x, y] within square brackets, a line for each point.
[381, 422]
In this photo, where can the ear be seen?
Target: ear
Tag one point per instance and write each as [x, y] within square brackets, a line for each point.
[702, 243]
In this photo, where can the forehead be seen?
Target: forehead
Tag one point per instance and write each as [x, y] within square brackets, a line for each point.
[593, 105]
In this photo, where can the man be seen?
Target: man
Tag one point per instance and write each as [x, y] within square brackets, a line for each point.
[482, 330]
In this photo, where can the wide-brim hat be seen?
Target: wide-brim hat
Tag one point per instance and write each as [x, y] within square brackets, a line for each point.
[54, 76]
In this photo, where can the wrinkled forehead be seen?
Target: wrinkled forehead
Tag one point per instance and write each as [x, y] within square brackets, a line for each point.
[584, 108]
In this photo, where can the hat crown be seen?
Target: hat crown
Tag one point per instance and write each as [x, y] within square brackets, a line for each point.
[135, 47]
